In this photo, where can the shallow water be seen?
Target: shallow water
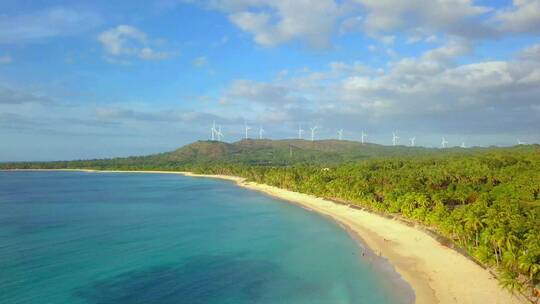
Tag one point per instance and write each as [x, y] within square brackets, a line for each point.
[74, 237]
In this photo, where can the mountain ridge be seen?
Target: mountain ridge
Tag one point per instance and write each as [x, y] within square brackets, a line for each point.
[259, 152]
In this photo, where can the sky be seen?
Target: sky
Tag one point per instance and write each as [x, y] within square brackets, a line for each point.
[95, 79]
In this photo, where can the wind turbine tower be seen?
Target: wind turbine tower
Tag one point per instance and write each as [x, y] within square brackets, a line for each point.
[444, 143]
[219, 134]
[412, 139]
[463, 145]
[364, 135]
[300, 131]
[247, 128]
[340, 134]
[313, 133]
[395, 138]
[261, 132]
[214, 131]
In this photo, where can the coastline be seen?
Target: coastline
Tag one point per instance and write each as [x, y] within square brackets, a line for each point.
[436, 273]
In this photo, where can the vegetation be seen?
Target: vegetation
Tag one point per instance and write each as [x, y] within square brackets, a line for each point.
[487, 203]
[485, 200]
[253, 153]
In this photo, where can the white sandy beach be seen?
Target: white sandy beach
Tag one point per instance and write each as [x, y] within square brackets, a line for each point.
[436, 273]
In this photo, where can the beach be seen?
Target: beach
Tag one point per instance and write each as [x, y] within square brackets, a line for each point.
[436, 273]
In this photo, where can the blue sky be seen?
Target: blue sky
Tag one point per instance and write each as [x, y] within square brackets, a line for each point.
[116, 78]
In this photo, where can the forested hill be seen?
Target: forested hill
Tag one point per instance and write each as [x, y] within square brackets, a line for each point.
[256, 152]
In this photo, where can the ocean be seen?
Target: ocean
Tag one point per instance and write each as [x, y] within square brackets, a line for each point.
[78, 237]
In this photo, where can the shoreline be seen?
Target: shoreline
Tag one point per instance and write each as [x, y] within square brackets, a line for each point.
[436, 273]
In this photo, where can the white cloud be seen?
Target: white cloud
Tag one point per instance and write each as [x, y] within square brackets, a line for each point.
[389, 39]
[6, 59]
[150, 54]
[43, 24]
[424, 16]
[433, 83]
[522, 17]
[531, 53]
[448, 52]
[125, 40]
[432, 89]
[272, 22]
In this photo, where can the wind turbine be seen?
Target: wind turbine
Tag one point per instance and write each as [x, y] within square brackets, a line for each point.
[412, 139]
[364, 135]
[213, 130]
[444, 142]
[300, 131]
[521, 142]
[219, 134]
[313, 133]
[247, 128]
[395, 138]
[340, 134]
[463, 145]
[261, 131]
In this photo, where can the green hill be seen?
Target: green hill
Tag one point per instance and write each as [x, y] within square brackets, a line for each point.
[247, 152]
[256, 153]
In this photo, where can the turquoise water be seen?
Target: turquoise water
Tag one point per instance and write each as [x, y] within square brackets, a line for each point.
[74, 237]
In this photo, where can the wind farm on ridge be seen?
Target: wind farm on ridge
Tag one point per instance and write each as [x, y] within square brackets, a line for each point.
[216, 134]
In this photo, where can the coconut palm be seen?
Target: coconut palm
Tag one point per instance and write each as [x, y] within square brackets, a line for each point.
[529, 264]
[510, 281]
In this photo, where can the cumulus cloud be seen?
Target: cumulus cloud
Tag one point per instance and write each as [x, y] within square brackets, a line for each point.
[277, 21]
[522, 17]
[433, 83]
[531, 53]
[455, 17]
[272, 22]
[125, 40]
[432, 89]
[53, 22]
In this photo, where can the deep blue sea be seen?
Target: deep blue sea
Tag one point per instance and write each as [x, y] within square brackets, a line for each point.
[75, 237]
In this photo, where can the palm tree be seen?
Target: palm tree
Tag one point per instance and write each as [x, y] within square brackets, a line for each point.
[474, 223]
[498, 239]
[510, 281]
[527, 263]
[510, 259]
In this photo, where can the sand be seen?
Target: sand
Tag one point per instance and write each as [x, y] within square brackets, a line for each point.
[436, 273]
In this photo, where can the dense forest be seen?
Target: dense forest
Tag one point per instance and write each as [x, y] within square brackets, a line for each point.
[486, 201]
[488, 204]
